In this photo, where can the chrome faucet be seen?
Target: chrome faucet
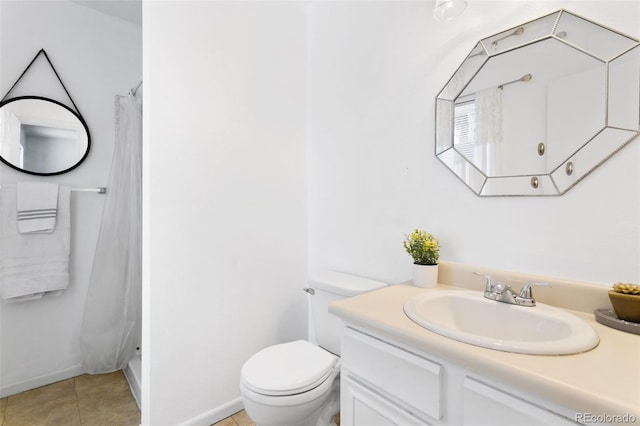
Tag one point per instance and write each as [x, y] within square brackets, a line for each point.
[504, 293]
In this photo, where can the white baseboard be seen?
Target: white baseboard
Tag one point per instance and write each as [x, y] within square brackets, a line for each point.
[212, 416]
[36, 382]
[132, 374]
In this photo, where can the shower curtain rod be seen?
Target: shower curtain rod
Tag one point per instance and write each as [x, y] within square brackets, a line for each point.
[526, 77]
[99, 190]
[135, 90]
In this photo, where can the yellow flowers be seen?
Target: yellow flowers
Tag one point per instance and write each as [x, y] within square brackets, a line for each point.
[423, 247]
[627, 288]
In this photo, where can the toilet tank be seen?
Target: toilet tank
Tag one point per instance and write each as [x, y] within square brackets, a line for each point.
[325, 328]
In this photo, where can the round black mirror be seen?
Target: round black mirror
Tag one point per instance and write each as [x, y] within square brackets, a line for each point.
[40, 136]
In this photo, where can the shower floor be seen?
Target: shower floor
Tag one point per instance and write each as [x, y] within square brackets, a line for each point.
[103, 399]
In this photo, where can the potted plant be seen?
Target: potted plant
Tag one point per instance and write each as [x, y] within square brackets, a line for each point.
[625, 299]
[424, 248]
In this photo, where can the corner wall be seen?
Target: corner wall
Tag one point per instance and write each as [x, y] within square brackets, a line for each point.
[225, 203]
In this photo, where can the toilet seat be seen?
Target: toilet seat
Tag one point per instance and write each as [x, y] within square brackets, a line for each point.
[288, 369]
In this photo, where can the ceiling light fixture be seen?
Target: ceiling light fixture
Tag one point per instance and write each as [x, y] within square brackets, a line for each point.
[446, 10]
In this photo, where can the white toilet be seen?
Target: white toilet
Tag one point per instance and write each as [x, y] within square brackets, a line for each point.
[297, 383]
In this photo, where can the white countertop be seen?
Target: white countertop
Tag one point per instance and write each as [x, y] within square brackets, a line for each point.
[604, 380]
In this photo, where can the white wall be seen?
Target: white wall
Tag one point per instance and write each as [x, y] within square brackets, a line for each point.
[374, 71]
[225, 203]
[97, 57]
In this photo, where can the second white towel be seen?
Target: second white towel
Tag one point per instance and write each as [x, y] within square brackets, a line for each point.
[33, 264]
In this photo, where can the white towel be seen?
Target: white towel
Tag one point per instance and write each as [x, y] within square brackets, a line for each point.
[37, 206]
[35, 263]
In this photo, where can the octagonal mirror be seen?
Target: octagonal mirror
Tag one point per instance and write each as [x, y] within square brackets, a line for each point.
[532, 110]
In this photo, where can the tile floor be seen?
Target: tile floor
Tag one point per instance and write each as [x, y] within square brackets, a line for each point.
[238, 419]
[87, 400]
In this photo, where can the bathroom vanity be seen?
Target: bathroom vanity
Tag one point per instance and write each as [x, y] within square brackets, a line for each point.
[396, 372]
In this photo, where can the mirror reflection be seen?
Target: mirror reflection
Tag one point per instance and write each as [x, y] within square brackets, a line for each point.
[534, 109]
[41, 136]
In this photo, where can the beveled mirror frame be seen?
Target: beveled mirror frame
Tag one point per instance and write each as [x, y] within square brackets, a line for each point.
[618, 124]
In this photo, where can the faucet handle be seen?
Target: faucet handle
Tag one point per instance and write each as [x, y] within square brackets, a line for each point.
[490, 285]
[526, 293]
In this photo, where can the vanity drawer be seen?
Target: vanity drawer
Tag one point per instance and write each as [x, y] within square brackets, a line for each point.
[411, 381]
[486, 405]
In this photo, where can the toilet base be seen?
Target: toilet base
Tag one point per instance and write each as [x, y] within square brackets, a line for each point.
[331, 408]
[319, 412]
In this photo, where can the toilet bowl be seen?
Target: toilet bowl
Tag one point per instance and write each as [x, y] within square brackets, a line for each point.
[298, 383]
[294, 383]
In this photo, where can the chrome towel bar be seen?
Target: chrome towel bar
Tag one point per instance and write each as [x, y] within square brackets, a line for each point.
[99, 190]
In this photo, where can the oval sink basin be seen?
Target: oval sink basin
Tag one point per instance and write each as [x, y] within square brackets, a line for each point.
[468, 317]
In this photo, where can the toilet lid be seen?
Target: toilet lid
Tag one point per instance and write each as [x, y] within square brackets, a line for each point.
[288, 368]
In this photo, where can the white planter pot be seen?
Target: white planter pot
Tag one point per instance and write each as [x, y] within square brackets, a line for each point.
[425, 276]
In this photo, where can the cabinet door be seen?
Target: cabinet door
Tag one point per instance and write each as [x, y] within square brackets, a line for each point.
[398, 375]
[361, 406]
[486, 405]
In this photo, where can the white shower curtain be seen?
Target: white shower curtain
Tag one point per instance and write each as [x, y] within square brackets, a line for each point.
[488, 131]
[112, 316]
[489, 115]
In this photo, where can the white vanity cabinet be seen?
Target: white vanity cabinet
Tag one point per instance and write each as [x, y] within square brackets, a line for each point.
[385, 383]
